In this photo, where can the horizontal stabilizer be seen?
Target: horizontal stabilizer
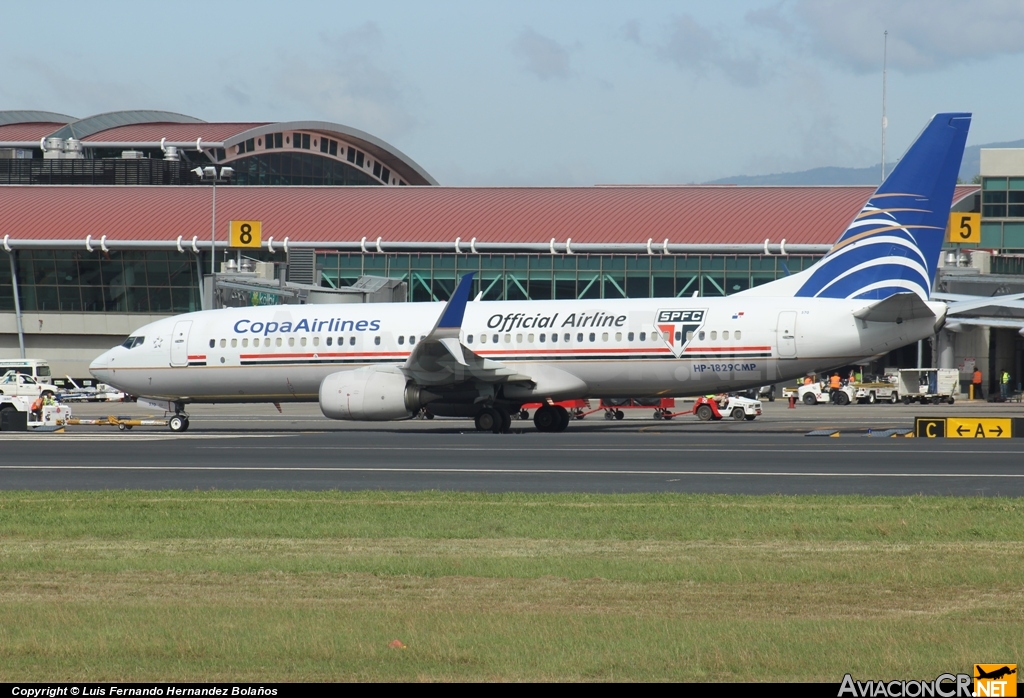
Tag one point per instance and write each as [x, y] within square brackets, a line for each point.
[896, 308]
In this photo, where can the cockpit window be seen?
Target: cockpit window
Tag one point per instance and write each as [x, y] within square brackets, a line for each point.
[133, 342]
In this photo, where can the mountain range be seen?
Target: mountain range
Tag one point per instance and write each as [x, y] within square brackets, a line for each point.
[969, 168]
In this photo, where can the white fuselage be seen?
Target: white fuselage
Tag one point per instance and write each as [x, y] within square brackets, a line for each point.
[617, 348]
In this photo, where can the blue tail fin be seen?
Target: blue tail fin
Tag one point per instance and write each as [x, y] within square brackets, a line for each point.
[894, 243]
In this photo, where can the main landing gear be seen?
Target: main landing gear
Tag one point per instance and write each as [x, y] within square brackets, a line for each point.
[551, 418]
[495, 419]
[179, 422]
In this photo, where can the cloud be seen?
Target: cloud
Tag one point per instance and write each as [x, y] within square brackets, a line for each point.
[542, 56]
[924, 35]
[344, 82]
[695, 48]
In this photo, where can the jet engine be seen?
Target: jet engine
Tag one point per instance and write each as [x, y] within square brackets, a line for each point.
[374, 393]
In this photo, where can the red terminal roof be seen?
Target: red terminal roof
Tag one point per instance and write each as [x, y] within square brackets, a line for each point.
[606, 214]
[151, 132]
[28, 131]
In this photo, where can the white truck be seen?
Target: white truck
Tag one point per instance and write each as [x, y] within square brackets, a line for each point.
[51, 415]
[876, 391]
[23, 385]
[817, 393]
[934, 385]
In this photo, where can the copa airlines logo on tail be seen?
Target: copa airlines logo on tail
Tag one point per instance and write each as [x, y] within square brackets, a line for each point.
[877, 256]
[678, 327]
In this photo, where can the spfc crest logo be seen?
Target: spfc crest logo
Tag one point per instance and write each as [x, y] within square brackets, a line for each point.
[678, 327]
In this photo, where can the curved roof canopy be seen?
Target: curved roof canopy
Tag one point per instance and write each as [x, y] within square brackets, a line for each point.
[100, 122]
[355, 217]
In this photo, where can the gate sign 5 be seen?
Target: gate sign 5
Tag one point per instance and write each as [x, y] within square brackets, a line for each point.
[964, 228]
[246, 234]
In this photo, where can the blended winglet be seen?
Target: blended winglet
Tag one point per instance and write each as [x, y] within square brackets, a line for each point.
[453, 313]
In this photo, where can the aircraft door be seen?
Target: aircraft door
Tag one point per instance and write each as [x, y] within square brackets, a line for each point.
[179, 343]
[787, 334]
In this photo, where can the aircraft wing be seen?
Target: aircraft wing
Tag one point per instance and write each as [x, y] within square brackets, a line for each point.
[442, 359]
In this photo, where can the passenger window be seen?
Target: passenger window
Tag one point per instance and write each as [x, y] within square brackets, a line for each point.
[329, 340]
[714, 335]
[604, 336]
[593, 337]
[725, 334]
[529, 338]
[689, 335]
[223, 343]
[679, 336]
[469, 338]
[291, 341]
[508, 339]
[316, 341]
[737, 334]
[519, 338]
[701, 336]
[618, 336]
[401, 340]
[376, 340]
[302, 341]
[483, 339]
[234, 342]
[352, 341]
[256, 341]
[542, 337]
[412, 340]
[579, 336]
[213, 343]
[554, 336]
[629, 337]
[643, 336]
[245, 342]
[278, 342]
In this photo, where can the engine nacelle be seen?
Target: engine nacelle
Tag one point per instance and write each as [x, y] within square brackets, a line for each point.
[374, 393]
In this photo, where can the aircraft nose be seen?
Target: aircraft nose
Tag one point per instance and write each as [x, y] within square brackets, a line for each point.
[99, 365]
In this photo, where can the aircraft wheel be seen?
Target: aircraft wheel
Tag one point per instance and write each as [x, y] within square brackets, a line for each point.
[738, 414]
[546, 418]
[619, 414]
[506, 420]
[563, 418]
[704, 413]
[177, 423]
[809, 399]
[751, 417]
[488, 419]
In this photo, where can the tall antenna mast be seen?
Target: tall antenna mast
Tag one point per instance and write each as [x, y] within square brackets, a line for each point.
[885, 60]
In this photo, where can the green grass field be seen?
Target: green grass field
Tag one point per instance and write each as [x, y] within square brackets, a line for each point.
[272, 586]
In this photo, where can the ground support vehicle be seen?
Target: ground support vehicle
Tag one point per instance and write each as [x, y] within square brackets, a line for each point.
[124, 423]
[51, 416]
[879, 391]
[816, 394]
[23, 385]
[663, 406]
[739, 408]
[934, 385]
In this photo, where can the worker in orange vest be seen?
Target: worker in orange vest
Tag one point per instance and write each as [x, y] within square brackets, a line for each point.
[976, 382]
[833, 386]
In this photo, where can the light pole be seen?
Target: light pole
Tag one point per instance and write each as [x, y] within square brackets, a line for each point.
[211, 173]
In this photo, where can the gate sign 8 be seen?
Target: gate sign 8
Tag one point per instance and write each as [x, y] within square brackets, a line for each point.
[246, 234]
[964, 228]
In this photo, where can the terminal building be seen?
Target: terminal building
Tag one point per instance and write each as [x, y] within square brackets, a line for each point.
[118, 219]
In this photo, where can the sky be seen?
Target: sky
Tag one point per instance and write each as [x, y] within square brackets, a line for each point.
[543, 93]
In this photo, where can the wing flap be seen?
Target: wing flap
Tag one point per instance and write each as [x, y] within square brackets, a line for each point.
[896, 308]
